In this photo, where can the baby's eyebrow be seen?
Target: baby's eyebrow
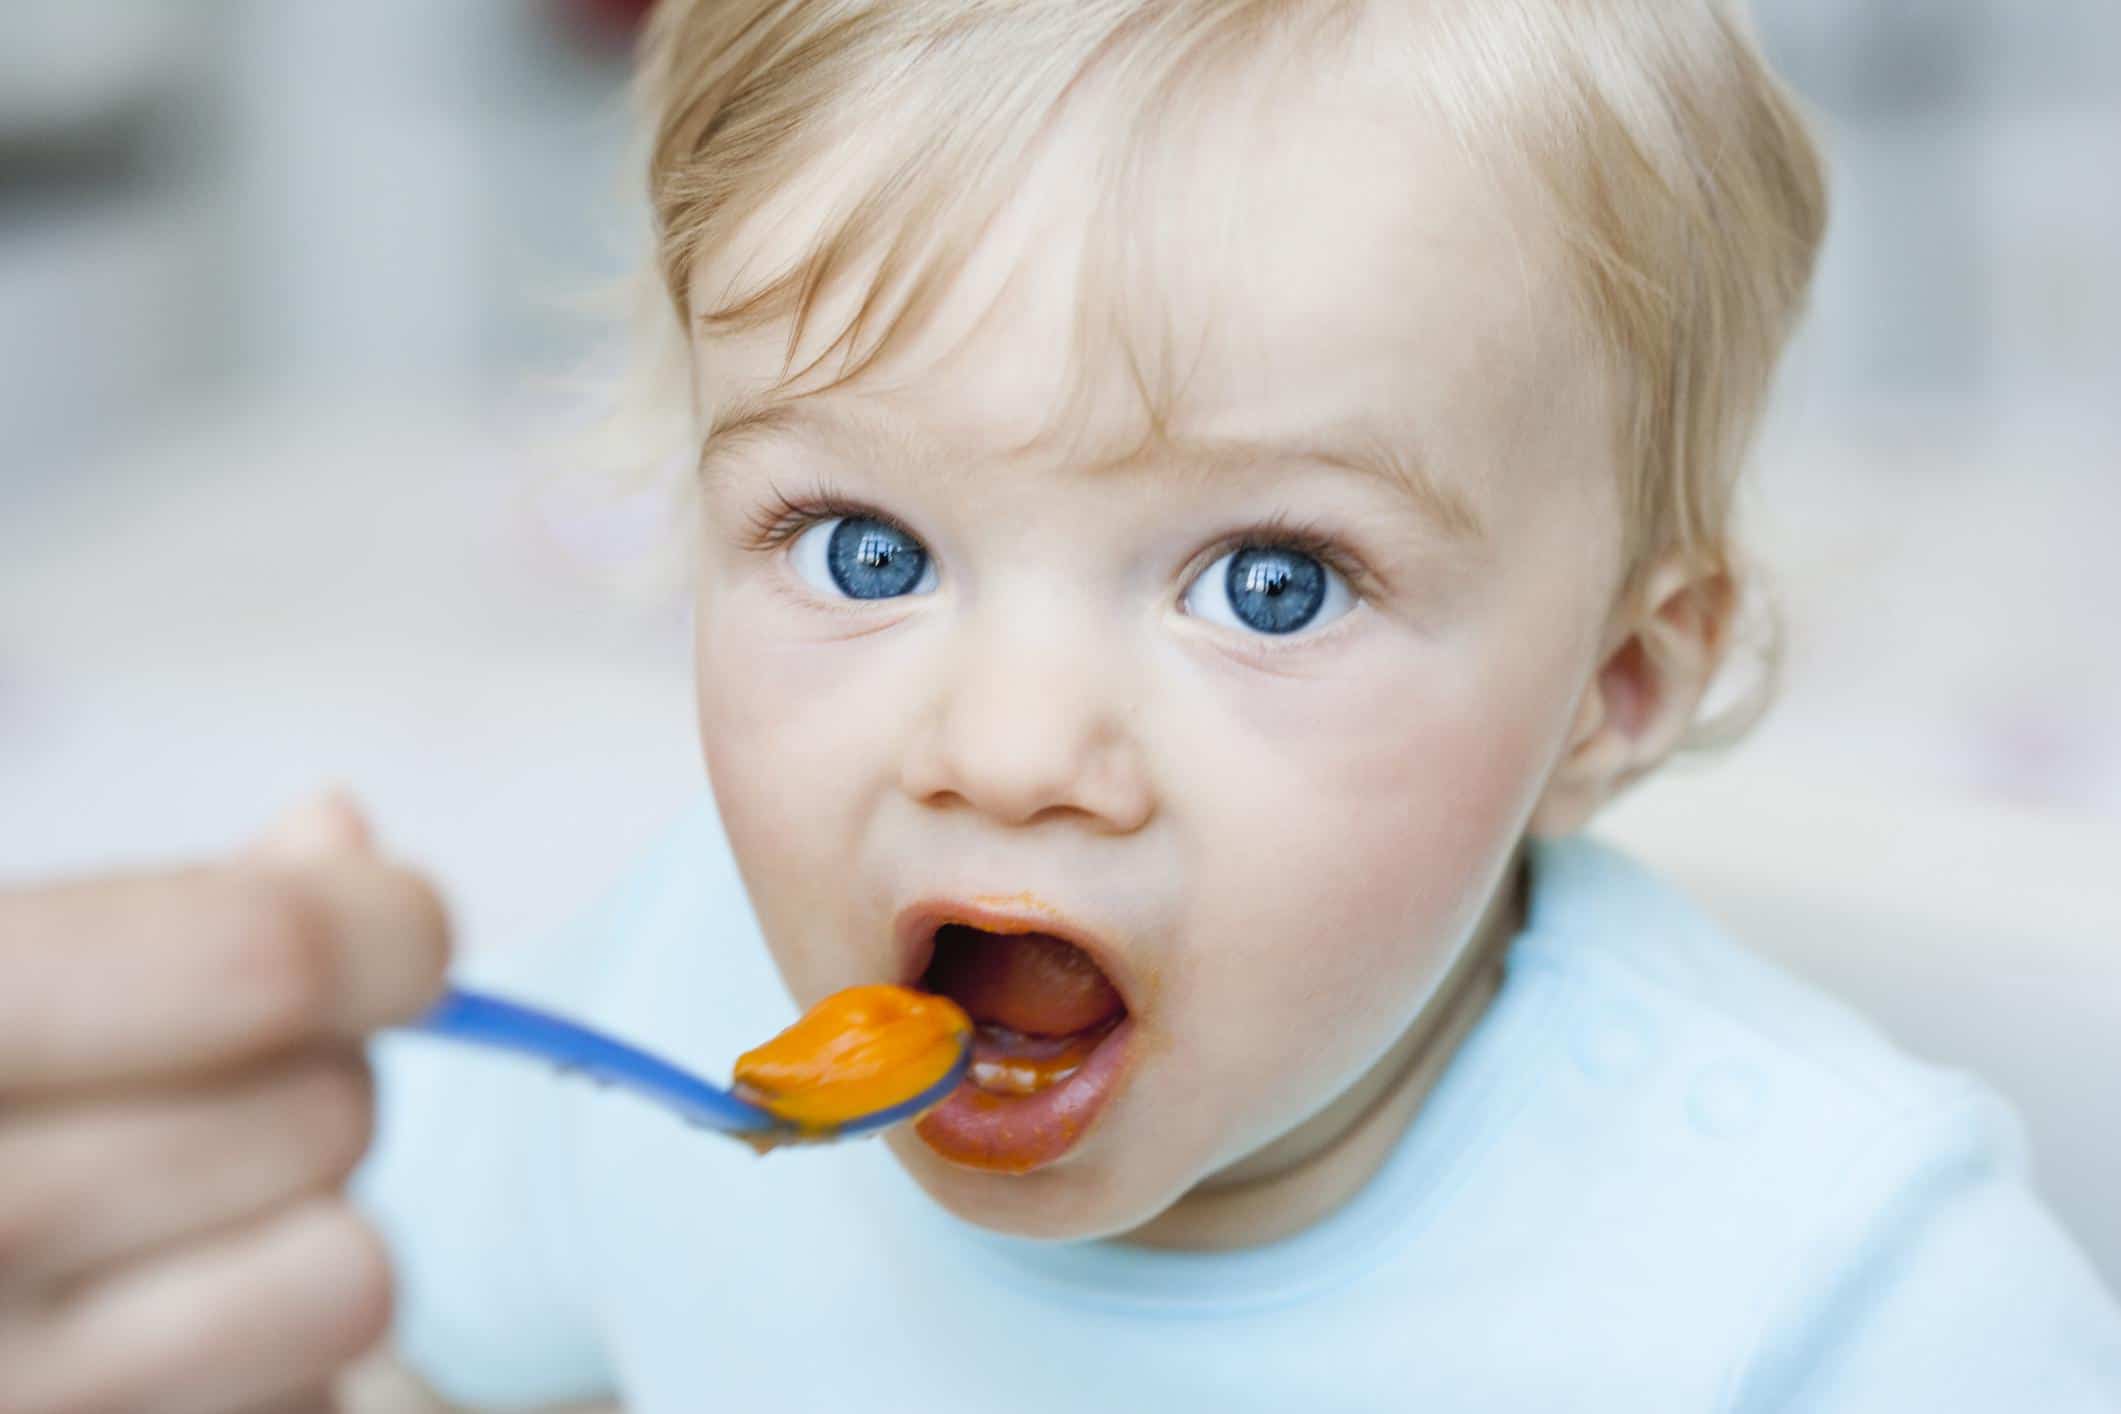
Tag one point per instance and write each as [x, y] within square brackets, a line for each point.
[747, 420]
[1376, 458]
[1372, 457]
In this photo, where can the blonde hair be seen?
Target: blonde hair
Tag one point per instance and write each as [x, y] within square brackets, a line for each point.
[1675, 169]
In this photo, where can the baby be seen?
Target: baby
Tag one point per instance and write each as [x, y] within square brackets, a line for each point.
[1198, 503]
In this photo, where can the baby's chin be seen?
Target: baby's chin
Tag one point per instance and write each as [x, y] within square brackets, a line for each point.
[1085, 1197]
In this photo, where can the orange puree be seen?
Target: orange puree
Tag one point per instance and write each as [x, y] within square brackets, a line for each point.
[856, 1052]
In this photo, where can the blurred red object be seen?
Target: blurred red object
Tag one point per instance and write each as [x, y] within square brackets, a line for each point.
[607, 19]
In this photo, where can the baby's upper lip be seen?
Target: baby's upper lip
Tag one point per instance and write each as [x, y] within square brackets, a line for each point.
[915, 930]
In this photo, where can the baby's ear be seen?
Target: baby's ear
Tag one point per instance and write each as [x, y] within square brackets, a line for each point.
[1663, 648]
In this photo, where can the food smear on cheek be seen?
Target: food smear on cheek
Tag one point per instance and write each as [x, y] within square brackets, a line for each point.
[856, 1052]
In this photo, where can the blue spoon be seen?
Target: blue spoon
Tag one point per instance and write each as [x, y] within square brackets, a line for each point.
[481, 1020]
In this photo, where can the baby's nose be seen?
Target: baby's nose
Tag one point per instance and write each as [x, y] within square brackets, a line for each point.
[1029, 726]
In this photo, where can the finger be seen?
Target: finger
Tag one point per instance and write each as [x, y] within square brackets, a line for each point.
[388, 941]
[236, 1323]
[381, 1384]
[328, 823]
[83, 1186]
[143, 976]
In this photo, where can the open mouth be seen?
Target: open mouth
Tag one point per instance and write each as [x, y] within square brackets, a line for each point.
[1049, 1048]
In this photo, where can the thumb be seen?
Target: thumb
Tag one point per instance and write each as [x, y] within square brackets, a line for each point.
[325, 824]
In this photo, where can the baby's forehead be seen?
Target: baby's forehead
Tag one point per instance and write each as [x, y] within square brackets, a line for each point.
[1334, 259]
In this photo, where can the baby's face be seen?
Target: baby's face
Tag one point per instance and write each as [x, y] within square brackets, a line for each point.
[1255, 715]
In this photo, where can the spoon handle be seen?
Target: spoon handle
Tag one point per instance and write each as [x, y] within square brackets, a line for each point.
[483, 1020]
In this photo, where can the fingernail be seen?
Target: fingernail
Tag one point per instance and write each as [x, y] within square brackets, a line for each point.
[327, 823]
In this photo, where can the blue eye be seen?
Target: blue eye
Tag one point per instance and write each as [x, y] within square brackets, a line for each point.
[1270, 590]
[860, 557]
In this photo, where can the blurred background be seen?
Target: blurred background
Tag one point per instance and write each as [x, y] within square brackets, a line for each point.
[289, 297]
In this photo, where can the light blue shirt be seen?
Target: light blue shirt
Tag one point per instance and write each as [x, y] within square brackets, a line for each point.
[1661, 1175]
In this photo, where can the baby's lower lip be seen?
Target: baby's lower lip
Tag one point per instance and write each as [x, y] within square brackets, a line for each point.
[1000, 1132]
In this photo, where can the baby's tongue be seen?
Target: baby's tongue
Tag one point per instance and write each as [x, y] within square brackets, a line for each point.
[1031, 983]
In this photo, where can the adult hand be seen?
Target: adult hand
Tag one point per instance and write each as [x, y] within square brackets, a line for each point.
[182, 1099]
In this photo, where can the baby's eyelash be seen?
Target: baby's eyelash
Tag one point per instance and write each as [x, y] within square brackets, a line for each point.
[1281, 532]
[783, 517]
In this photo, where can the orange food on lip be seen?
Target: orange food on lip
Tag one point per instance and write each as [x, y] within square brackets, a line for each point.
[856, 1052]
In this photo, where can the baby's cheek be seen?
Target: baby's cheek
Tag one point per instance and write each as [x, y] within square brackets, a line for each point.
[785, 721]
[1391, 800]
[741, 735]
[1395, 827]
[1444, 809]
[780, 750]
[1432, 819]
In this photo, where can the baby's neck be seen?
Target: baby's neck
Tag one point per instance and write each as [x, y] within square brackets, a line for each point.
[1308, 1173]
